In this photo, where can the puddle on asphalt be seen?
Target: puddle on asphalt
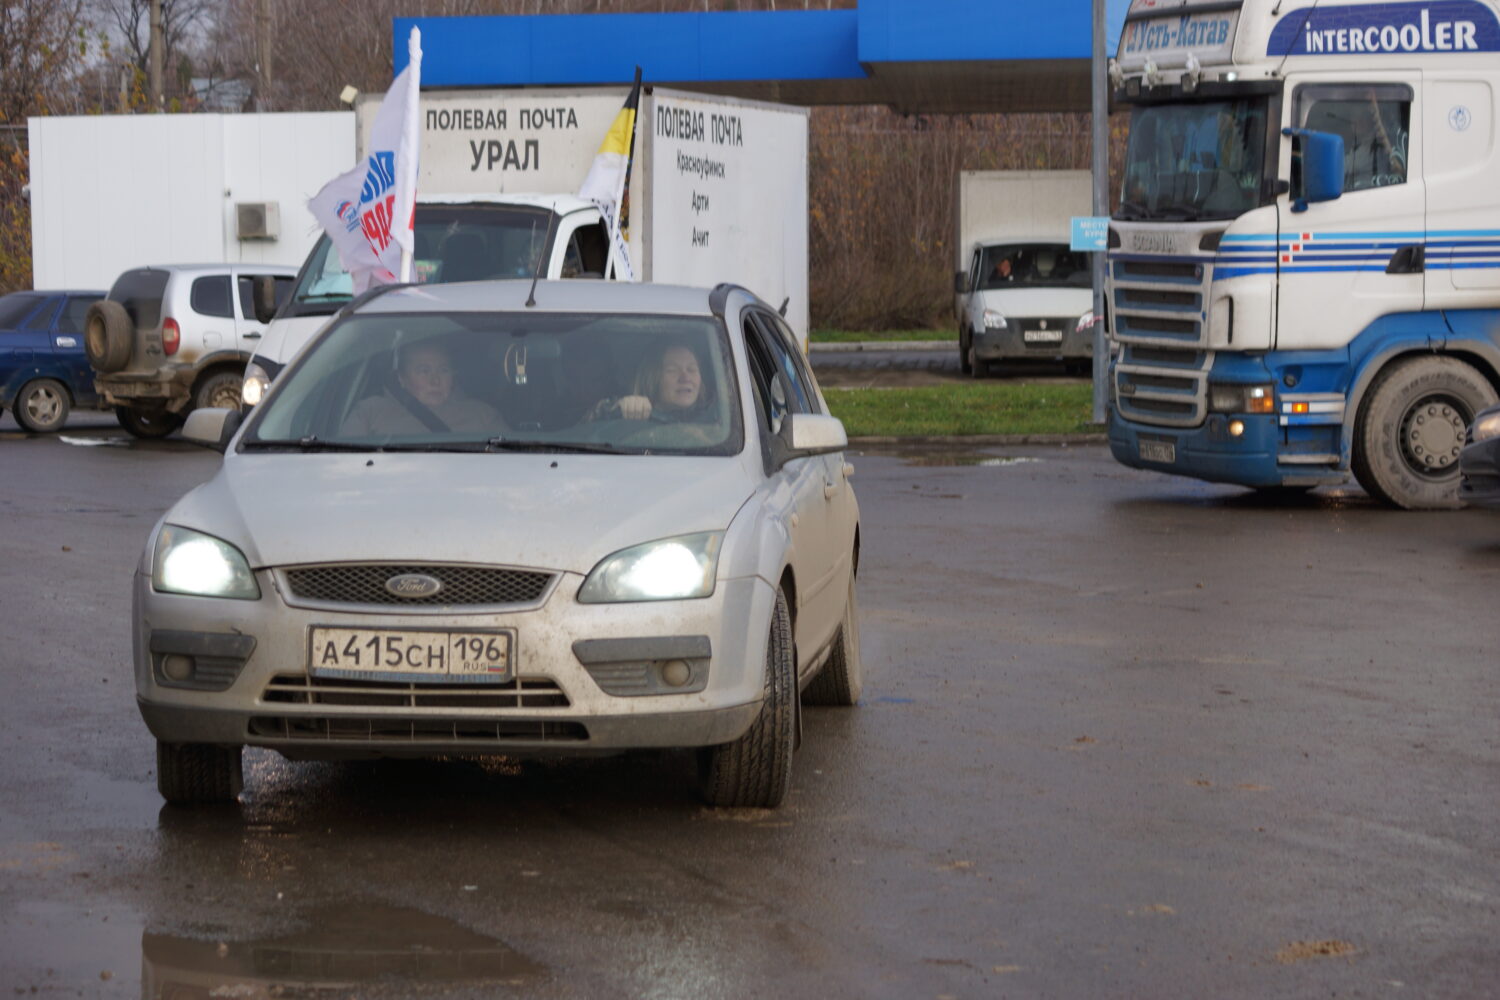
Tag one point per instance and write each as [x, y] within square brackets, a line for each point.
[94, 442]
[342, 946]
[931, 457]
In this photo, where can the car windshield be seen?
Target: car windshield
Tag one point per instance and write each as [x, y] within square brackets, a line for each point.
[1202, 160]
[508, 382]
[1033, 265]
[453, 243]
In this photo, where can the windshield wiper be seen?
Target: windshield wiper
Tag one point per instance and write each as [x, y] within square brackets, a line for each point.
[1130, 210]
[579, 447]
[310, 443]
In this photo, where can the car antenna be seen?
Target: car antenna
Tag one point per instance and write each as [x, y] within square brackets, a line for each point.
[784, 303]
[541, 258]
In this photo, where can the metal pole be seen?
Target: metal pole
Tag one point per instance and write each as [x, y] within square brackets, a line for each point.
[1101, 208]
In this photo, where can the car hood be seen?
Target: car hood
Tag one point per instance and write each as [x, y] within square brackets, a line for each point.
[1037, 301]
[549, 511]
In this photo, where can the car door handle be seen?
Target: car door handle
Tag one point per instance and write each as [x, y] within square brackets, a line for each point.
[254, 335]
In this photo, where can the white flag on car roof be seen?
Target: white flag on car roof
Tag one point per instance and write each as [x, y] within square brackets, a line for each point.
[368, 212]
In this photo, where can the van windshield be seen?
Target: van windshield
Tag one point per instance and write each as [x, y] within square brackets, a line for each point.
[1034, 265]
[454, 243]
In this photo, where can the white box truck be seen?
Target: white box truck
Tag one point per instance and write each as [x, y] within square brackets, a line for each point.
[1019, 293]
[718, 192]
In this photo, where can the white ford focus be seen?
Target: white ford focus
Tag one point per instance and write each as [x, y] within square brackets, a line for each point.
[476, 519]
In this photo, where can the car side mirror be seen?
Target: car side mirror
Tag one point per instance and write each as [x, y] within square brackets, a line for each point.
[804, 434]
[263, 298]
[212, 427]
[1322, 156]
[960, 282]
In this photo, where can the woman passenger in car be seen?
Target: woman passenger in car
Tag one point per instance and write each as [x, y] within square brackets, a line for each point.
[668, 387]
[422, 398]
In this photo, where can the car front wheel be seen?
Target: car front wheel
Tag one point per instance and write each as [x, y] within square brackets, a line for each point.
[195, 773]
[756, 769]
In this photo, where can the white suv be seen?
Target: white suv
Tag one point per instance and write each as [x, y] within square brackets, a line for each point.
[171, 339]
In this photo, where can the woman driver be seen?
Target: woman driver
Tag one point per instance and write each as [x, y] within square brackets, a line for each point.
[668, 388]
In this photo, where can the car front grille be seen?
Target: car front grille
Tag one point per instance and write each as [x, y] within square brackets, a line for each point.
[343, 584]
[396, 729]
[522, 692]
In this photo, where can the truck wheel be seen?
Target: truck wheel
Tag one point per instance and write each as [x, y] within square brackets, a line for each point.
[963, 352]
[1411, 429]
[147, 423]
[976, 368]
[843, 676]
[42, 405]
[221, 389]
[756, 769]
[192, 773]
[108, 336]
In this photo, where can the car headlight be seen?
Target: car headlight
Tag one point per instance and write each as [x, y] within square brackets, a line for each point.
[1230, 397]
[190, 562]
[669, 569]
[1487, 426]
[1085, 322]
[993, 320]
[255, 385]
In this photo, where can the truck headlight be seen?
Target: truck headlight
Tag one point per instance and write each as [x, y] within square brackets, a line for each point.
[190, 562]
[669, 569]
[1487, 426]
[993, 320]
[255, 385]
[1231, 397]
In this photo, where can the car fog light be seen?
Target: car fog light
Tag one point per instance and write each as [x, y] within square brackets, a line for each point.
[1236, 428]
[676, 673]
[177, 667]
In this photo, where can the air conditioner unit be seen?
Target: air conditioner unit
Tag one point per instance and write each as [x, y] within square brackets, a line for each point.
[257, 220]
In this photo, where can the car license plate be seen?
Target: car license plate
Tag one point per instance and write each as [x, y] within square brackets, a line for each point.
[1158, 451]
[428, 655]
[1042, 336]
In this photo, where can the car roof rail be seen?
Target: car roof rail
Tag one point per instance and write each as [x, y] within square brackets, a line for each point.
[370, 294]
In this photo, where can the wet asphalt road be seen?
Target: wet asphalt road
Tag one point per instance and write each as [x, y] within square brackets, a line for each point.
[1122, 735]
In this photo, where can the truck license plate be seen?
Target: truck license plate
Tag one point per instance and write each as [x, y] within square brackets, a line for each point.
[425, 655]
[1158, 451]
[1042, 336]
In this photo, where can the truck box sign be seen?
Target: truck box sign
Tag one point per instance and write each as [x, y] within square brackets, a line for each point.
[1165, 33]
[1362, 29]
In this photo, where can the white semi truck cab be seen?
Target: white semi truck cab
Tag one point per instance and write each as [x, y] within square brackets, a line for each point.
[1304, 267]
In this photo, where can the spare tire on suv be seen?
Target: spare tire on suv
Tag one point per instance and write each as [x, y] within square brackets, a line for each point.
[108, 336]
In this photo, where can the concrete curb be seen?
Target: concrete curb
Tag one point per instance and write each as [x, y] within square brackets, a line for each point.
[981, 440]
[887, 345]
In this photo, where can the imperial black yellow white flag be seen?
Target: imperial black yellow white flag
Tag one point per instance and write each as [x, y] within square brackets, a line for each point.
[609, 177]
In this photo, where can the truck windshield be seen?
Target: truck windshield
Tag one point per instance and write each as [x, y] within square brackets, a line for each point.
[454, 243]
[1194, 161]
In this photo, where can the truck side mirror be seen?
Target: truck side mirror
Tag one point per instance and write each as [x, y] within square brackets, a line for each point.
[960, 282]
[1321, 155]
[263, 298]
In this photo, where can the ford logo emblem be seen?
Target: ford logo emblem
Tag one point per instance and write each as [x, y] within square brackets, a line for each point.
[413, 585]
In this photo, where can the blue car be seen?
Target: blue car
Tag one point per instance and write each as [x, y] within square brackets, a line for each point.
[44, 372]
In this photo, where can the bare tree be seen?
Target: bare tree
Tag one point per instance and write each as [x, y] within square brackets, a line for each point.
[183, 22]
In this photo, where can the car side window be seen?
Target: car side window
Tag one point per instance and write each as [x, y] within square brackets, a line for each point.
[786, 362]
[247, 293]
[974, 275]
[210, 296]
[74, 314]
[42, 318]
[792, 353]
[768, 389]
[1374, 122]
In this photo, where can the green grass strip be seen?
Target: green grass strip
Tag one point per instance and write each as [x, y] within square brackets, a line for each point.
[958, 410]
[859, 336]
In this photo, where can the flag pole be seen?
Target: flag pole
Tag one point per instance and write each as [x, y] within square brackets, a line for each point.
[413, 129]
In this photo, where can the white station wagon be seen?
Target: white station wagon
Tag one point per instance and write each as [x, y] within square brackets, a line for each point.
[488, 518]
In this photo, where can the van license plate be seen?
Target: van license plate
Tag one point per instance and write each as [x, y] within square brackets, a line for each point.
[1158, 451]
[422, 655]
[1042, 336]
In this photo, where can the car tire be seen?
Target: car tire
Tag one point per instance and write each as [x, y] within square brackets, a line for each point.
[963, 351]
[108, 336]
[198, 773]
[1411, 429]
[221, 389]
[842, 678]
[755, 770]
[147, 424]
[42, 405]
[976, 368]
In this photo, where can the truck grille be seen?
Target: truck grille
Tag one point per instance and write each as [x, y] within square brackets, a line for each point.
[523, 692]
[463, 586]
[1161, 377]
